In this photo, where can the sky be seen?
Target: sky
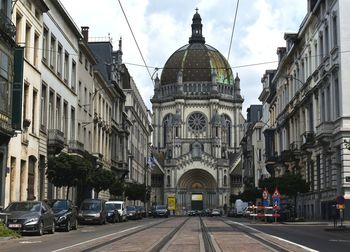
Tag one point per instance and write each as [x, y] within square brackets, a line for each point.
[163, 26]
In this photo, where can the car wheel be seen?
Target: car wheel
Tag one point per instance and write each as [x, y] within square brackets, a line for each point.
[75, 226]
[68, 226]
[52, 230]
[41, 228]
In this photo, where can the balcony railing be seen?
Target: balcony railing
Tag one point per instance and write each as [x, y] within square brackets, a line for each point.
[7, 27]
[55, 141]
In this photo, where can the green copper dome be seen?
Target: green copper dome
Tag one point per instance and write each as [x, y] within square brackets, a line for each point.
[197, 61]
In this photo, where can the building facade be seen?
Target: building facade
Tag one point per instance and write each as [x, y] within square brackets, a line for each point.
[7, 59]
[196, 116]
[23, 161]
[309, 109]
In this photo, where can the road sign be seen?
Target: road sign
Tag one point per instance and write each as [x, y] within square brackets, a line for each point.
[265, 194]
[276, 194]
[276, 202]
[340, 200]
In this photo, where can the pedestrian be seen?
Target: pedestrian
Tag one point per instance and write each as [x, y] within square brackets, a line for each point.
[334, 214]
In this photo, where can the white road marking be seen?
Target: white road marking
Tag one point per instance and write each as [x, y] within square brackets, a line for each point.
[29, 242]
[95, 239]
[281, 239]
[339, 240]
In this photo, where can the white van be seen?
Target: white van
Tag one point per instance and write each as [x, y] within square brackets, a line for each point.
[120, 206]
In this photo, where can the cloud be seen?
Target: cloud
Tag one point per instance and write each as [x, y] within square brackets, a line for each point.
[163, 26]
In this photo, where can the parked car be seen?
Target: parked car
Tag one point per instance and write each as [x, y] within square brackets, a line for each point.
[191, 213]
[142, 210]
[161, 211]
[30, 217]
[151, 211]
[112, 213]
[120, 206]
[92, 211]
[216, 212]
[66, 214]
[132, 213]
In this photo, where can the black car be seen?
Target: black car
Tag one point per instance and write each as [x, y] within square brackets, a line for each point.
[112, 213]
[132, 213]
[141, 210]
[161, 211]
[65, 214]
[30, 217]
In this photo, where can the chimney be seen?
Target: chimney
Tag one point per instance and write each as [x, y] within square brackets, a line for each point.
[85, 32]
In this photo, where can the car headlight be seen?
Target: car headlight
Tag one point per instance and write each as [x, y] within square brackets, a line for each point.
[62, 218]
[80, 214]
[98, 214]
[32, 221]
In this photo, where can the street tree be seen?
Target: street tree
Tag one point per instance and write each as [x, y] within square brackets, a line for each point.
[100, 180]
[67, 170]
[117, 188]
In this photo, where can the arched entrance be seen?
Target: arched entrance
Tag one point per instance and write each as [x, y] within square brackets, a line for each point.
[196, 189]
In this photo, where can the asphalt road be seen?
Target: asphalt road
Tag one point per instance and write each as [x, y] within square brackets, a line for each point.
[315, 237]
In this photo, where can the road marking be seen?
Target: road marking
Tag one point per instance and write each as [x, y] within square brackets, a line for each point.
[339, 240]
[29, 242]
[276, 237]
[95, 239]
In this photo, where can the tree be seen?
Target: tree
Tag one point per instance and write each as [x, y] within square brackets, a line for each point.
[100, 180]
[117, 188]
[289, 184]
[136, 192]
[67, 170]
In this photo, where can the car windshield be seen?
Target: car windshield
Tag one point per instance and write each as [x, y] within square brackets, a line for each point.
[93, 206]
[118, 206]
[110, 207]
[130, 208]
[160, 207]
[60, 204]
[24, 206]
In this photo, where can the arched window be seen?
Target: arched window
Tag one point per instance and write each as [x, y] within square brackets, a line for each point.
[197, 149]
[168, 180]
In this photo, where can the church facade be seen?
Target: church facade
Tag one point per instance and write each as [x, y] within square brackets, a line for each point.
[197, 125]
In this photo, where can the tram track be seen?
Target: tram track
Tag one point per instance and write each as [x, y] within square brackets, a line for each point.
[163, 241]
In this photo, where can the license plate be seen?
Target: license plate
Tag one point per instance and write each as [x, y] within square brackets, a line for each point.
[15, 225]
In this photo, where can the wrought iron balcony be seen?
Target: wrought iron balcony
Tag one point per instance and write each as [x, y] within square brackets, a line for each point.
[7, 27]
[55, 141]
[75, 146]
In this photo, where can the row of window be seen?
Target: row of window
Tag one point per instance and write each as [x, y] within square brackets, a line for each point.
[58, 59]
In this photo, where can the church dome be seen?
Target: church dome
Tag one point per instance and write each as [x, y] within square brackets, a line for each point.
[197, 61]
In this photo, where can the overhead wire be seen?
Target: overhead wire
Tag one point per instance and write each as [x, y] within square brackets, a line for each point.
[133, 35]
[233, 30]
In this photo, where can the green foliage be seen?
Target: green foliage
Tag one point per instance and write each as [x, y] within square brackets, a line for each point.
[117, 188]
[250, 194]
[137, 192]
[289, 184]
[68, 170]
[5, 232]
[101, 180]
[347, 144]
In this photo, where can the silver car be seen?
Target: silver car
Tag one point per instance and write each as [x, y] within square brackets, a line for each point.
[30, 217]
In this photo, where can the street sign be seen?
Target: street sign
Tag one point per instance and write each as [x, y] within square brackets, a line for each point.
[340, 200]
[276, 194]
[276, 202]
[265, 194]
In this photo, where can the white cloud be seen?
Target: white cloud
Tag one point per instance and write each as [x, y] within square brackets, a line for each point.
[161, 27]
